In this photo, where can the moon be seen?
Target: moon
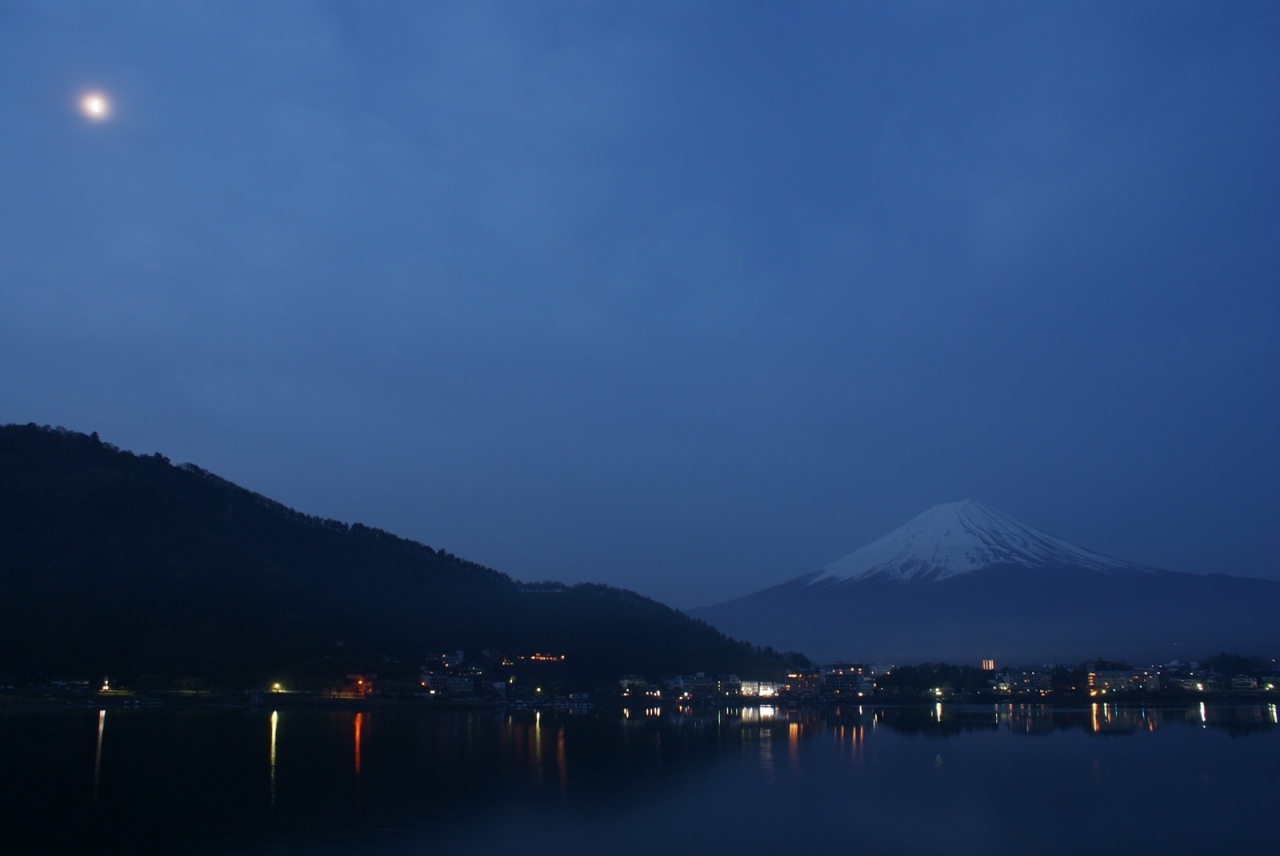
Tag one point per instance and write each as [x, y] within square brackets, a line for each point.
[95, 106]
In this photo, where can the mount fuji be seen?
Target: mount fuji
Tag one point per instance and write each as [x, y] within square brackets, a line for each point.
[963, 582]
[957, 538]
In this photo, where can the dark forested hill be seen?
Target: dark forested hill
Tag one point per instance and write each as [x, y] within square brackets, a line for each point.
[114, 563]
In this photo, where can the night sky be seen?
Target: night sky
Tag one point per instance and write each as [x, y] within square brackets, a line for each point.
[689, 298]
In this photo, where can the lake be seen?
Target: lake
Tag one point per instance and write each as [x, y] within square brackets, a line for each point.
[866, 780]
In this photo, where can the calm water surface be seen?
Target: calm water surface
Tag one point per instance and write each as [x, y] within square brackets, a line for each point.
[870, 780]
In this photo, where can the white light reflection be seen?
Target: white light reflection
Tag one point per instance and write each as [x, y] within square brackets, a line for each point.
[102, 721]
[275, 719]
[766, 753]
[537, 743]
[1203, 717]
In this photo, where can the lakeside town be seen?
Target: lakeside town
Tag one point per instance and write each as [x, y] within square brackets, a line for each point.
[537, 680]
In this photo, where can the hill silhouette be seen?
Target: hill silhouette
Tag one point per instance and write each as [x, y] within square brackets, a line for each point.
[126, 565]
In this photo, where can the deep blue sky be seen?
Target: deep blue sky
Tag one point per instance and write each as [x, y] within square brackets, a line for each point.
[685, 297]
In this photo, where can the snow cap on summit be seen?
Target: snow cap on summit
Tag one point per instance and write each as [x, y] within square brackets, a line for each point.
[956, 538]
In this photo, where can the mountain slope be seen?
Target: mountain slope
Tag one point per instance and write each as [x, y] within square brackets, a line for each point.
[965, 582]
[112, 563]
[960, 537]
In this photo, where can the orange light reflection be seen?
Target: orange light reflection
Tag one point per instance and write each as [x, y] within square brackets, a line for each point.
[359, 720]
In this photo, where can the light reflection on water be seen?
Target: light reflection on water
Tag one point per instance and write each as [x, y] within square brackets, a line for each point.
[178, 780]
[275, 720]
[358, 719]
[97, 754]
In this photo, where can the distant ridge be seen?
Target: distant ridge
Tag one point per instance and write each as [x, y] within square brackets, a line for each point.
[964, 582]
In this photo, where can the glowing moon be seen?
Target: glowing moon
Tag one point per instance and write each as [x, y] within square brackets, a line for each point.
[95, 106]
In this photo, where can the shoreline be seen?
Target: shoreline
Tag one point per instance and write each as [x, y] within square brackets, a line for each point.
[21, 700]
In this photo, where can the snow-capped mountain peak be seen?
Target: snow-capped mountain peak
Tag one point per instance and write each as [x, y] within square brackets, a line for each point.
[956, 538]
